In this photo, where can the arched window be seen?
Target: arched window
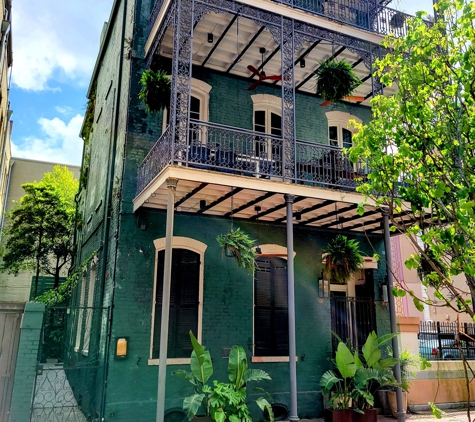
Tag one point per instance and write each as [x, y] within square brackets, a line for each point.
[267, 118]
[186, 298]
[339, 132]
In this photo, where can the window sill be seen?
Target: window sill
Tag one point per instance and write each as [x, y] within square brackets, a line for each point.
[264, 359]
[173, 361]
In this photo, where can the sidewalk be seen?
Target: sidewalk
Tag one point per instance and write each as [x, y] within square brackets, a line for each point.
[449, 415]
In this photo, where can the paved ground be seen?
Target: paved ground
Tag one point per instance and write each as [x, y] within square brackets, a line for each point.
[452, 415]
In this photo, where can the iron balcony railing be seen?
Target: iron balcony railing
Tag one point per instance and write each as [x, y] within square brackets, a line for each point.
[237, 151]
[352, 319]
[446, 340]
[363, 14]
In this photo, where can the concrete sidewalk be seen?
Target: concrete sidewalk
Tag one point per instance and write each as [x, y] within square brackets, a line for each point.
[450, 415]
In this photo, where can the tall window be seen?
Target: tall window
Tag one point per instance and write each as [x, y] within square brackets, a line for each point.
[340, 133]
[271, 323]
[184, 302]
[89, 310]
[267, 119]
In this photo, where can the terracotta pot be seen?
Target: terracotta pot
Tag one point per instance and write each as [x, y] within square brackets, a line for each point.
[370, 415]
[339, 415]
[393, 402]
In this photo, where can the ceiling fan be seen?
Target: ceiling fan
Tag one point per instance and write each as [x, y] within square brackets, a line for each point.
[261, 75]
[346, 97]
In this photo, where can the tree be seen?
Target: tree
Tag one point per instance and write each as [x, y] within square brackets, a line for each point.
[420, 147]
[39, 230]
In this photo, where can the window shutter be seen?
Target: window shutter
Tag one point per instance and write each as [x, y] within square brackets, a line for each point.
[271, 332]
[184, 296]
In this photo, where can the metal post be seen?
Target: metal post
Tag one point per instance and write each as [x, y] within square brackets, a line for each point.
[401, 414]
[289, 199]
[167, 275]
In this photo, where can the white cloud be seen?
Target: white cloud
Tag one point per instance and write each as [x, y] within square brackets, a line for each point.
[60, 143]
[56, 41]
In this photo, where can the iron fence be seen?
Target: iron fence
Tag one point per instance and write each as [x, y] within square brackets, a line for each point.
[245, 152]
[353, 319]
[446, 340]
[70, 370]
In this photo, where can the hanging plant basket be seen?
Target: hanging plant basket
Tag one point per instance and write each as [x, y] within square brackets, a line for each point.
[343, 258]
[238, 245]
[397, 20]
[155, 91]
[335, 80]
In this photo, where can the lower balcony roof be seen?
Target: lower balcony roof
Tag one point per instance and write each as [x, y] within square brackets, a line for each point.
[213, 193]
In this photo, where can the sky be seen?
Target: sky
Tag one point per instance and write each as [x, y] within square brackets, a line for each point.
[55, 44]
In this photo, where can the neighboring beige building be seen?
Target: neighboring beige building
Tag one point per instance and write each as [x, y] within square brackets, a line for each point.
[401, 249]
[17, 289]
[5, 112]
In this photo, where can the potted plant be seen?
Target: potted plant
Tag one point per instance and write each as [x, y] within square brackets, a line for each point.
[356, 379]
[238, 244]
[397, 20]
[224, 401]
[335, 80]
[155, 90]
[408, 362]
[341, 259]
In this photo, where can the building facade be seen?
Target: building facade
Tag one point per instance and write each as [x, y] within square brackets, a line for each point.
[234, 149]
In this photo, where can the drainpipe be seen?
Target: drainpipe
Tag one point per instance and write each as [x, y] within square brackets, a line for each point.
[401, 414]
[289, 199]
[5, 198]
[167, 275]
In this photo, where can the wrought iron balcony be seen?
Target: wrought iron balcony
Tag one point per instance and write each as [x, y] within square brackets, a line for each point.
[212, 146]
[363, 14]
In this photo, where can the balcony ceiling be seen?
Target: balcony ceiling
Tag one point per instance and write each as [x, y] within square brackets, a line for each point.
[216, 194]
[236, 44]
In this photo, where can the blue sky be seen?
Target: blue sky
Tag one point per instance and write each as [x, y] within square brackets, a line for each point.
[55, 43]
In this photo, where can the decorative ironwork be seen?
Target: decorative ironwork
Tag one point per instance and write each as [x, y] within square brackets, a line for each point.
[69, 368]
[155, 161]
[170, 16]
[352, 320]
[288, 96]
[239, 151]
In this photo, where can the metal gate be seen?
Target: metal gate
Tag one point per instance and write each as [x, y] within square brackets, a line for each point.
[71, 365]
[10, 316]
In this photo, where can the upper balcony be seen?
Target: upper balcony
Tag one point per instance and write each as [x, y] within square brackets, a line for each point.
[367, 15]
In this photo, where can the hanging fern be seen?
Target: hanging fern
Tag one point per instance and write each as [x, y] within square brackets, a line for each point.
[155, 91]
[335, 80]
[343, 259]
[238, 244]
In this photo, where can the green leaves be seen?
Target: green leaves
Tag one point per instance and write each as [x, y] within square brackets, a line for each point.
[343, 258]
[240, 246]
[155, 90]
[345, 361]
[201, 364]
[328, 380]
[335, 80]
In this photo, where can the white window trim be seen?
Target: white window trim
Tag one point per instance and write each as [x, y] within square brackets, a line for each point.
[341, 120]
[80, 314]
[200, 90]
[89, 310]
[269, 104]
[267, 249]
[179, 242]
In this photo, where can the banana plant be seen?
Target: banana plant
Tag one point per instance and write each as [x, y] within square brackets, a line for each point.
[201, 370]
[224, 400]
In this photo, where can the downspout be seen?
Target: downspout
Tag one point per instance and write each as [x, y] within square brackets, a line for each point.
[401, 414]
[5, 198]
[289, 199]
[106, 233]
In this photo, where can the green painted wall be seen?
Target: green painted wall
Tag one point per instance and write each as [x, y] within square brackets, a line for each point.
[227, 311]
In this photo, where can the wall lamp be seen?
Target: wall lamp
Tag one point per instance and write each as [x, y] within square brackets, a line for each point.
[121, 348]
